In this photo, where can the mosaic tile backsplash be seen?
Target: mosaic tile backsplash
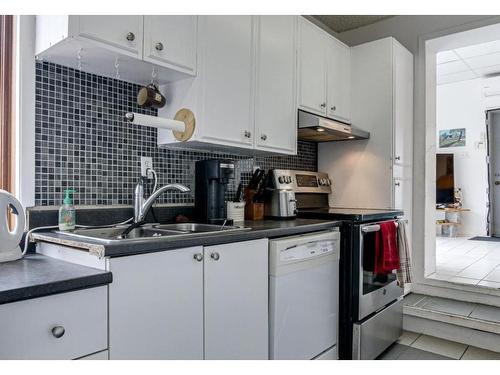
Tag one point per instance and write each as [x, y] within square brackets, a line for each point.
[82, 142]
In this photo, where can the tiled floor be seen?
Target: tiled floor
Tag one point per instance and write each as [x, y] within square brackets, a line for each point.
[414, 346]
[453, 307]
[468, 262]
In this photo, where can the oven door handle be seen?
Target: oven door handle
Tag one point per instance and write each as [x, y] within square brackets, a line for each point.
[370, 228]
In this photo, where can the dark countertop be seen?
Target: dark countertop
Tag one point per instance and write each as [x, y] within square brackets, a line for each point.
[37, 276]
[350, 214]
[259, 229]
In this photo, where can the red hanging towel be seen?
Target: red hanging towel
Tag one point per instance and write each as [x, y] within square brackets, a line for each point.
[386, 249]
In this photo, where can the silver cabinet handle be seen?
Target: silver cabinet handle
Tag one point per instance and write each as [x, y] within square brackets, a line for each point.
[159, 46]
[322, 105]
[215, 256]
[333, 108]
[58, 331]
[397, 158]
[397, 184]
[130, 36]
[198, 257]
[247, 134]
[263, 137]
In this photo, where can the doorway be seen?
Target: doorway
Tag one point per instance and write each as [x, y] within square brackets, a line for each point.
[493, 131]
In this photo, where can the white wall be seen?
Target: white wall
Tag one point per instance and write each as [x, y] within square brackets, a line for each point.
[412, 32]
[461, 105]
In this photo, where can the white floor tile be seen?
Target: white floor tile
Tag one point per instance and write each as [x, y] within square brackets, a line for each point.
[479, 354]
[408, 338]
[484, 312]
[493, 275]
[489, 284]
[439, 346]
[464, 280]
[446, 305]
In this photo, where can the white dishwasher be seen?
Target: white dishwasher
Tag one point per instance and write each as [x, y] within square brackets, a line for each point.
[303, 296]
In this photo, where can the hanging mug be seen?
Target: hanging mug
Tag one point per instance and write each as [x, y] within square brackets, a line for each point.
[150, 96]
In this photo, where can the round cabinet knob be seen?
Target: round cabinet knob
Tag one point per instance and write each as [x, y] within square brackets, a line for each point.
[263, 137]
[333, 108]
[247, 134]
[58, 332]
[159, 46]
[322, 105]
[397, 158]
[397, 183]
[215, 256]
[130, 36]
[198, 257]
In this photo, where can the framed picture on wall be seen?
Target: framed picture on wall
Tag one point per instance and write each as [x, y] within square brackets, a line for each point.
[452, 138]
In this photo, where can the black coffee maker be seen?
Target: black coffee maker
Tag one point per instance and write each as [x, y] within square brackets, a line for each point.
[211, 179]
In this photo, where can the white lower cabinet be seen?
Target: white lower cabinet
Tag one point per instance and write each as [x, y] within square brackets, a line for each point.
[191, 303]
[62, 326]
[156, 306]
[236, 300]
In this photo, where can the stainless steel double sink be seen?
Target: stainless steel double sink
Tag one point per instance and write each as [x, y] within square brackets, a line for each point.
[150, 231]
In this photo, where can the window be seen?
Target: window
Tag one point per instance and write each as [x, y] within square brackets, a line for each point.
[7, 103]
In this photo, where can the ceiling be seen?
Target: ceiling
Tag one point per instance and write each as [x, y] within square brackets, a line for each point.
[476, 61]
[339, 24]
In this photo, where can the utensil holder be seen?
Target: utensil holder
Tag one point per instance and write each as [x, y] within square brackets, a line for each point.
[254, 211]
[236, 211]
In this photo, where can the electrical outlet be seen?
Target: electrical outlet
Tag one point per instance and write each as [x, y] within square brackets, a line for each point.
[146, 162]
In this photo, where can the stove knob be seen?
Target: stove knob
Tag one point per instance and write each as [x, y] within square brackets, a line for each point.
[288, 180]
[281, 179]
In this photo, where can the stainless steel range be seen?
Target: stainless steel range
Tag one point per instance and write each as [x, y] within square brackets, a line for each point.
[371, 314]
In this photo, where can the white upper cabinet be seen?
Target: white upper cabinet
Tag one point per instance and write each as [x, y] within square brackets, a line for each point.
[121, 32]
[226, 61]
[275, 99]
[324, 73]
[312, 67]
[338, 81]
[244, 94]
[170, 41]
[123, 47]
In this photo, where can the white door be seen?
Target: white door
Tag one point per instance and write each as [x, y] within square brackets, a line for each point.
[338, 81]
[226, 72]
[236, 300]
[494, 170]
[156, 306]
[170, 41]
[312, 67]
[122, 33]
[275, 105]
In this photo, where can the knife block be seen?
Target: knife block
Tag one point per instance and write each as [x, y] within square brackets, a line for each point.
[253, 210]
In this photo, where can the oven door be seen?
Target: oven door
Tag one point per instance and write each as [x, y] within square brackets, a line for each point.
[375, 291]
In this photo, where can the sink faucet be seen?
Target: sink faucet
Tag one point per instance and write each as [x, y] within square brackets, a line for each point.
[142, 205]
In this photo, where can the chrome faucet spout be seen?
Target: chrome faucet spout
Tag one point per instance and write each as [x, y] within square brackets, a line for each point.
[142, 208]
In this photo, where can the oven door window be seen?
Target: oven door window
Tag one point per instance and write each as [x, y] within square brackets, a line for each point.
[371, 280]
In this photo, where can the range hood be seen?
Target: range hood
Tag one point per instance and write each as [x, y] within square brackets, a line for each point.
[316, 128]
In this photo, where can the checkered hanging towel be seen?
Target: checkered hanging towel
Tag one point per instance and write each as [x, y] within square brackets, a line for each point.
[404, 272]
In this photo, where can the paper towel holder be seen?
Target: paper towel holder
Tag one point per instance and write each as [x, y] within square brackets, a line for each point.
[182, 126]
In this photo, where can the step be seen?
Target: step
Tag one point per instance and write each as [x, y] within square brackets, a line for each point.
[465, 322]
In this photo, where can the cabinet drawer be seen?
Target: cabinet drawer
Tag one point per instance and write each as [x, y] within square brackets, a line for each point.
[27, 326]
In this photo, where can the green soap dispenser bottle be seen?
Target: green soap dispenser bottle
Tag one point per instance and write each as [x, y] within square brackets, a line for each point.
[67, 214]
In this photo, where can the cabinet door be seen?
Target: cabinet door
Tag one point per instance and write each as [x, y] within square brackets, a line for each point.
[226, 72]
[236, 300]
[170, 41]
[312, 67]
[275, 105]
[123, 33]
[338, 81]
[156, 306]
[403, 109]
